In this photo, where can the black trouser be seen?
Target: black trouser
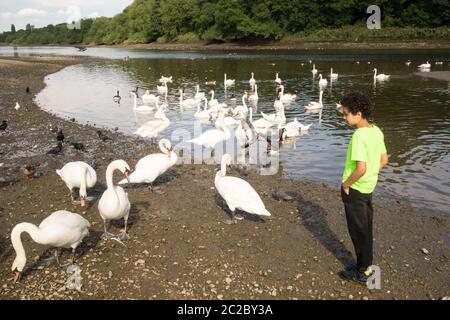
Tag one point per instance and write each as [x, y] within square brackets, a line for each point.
[359, 214]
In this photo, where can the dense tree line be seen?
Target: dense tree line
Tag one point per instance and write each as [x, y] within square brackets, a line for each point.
[147, 21]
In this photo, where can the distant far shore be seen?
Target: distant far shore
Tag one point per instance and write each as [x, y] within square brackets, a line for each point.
[281, 45]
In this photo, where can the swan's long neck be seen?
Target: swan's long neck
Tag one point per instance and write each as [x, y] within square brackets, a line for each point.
[320, 97]
[375, 74]
[33, 231]
[225, 77]
[109, 174]
[256, 89]
[198, 89]
[181, 96]
[243, 101]
[135, 101]
[84, 172]
[282, 90]
[251, 115]
[331, 72]
[223, 169]
[212, 95]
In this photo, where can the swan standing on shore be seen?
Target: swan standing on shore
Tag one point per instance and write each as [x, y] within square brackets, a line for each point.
[152, 166]
[61, 229]
[381, 76]
[114, 203]
[238, 193]
[78, 174]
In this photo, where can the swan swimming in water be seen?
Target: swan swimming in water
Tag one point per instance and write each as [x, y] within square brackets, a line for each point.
[238, 193]
[141, 108]
[61, 229]
[228, 82]
[114, 203]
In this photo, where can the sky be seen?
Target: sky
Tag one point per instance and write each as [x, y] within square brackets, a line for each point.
[41, 13]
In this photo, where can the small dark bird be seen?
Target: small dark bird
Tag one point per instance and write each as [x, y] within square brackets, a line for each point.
[117, 98]
[73, 119]
[60, 135]
[29, 172]
[78, 146]
[56, 149]
[3, 125]
[102, 136]
[28, 90]
[135, 91]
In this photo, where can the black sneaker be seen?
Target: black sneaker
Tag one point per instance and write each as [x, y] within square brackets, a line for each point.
[352, 274]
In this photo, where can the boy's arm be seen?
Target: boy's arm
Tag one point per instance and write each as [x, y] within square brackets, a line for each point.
[384, 160]
[356, 174]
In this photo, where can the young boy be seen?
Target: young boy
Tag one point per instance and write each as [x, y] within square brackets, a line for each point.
[366, 156]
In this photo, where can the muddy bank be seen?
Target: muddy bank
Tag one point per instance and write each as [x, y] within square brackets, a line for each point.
[180, 247]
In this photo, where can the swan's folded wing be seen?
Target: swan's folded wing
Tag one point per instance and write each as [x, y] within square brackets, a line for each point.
[238, 193]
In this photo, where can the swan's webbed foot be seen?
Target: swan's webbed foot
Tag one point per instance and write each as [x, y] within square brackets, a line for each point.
[238, 216]
[123, 235]
[230, 221]
[108, 236]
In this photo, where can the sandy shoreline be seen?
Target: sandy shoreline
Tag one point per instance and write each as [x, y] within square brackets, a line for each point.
[180, 248]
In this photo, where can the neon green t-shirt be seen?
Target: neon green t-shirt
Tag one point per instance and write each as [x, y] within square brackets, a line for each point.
[367, 145]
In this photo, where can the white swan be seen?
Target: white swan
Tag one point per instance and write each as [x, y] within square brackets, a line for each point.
[322, 82]
[199, 95]
[286, 97]
[152, 166]
[425, 66]
[408, 63]
[149, 99]
[188, 102]
[261, 125]
[212, 102]
[61, 229]
[252, 81]
[381, 76]
[313, 105]
[238, 193]
[241, 111]
[78, 174]
[228, 82]
[17, 106]
[162, 90]
[277, 79]
[275, 118]
[154, 127]
[244, 134]
[333, 75]
[253, 98]
[339, 107]
[141, 108]
[211, 137]
[164, 80]
[202, 114]
[223, 121]
[114, 203]
[314, 70]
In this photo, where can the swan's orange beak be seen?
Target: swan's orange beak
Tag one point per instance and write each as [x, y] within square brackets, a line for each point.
[83, 201]
[126, 174]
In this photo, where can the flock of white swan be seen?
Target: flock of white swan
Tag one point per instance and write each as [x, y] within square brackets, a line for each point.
[64, 229]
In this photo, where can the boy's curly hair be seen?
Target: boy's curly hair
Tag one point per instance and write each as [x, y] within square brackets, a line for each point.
[357, 102]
